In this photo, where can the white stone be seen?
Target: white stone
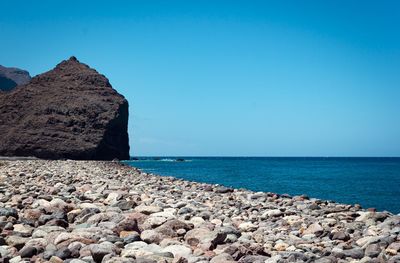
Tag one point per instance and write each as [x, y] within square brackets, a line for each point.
[247, 226]
[178, 250]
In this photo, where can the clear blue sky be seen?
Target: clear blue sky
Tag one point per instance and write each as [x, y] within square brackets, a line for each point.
[236, 78]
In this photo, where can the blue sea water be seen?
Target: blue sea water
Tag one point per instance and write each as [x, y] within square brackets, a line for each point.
[371, 182]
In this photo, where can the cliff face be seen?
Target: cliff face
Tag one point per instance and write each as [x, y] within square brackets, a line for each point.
[68, 112]
[12, 77]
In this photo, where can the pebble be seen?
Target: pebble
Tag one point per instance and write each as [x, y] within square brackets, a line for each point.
[9, 212]
[28, 252]
[179, 250]
[94, 211]
[372, 250]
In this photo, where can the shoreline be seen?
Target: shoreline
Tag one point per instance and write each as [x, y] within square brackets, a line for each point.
[101, 211]
[285, 195]
[369, 182]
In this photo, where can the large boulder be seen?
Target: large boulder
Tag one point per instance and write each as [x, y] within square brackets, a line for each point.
[12, 77]
[69, 112]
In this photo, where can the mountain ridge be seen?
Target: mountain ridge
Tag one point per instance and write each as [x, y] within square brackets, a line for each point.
[11, 77]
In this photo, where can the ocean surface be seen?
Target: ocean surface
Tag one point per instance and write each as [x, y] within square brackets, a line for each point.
[370, 182]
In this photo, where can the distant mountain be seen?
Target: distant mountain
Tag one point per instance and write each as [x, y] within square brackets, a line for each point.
[12, 77]
[7, 84]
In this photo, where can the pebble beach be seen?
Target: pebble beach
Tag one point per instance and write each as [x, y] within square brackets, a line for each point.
[94, 211]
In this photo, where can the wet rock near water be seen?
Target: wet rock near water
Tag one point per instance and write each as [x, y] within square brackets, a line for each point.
[88, 211]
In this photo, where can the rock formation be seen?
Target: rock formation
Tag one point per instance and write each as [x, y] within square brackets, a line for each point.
[12, 77]
[69, 112]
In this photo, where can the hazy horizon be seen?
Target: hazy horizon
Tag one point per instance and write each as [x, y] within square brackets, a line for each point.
[238, 156]
[230, 78]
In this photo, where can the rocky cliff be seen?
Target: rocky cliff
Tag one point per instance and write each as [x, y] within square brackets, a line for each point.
[69, 112]
[12, 77]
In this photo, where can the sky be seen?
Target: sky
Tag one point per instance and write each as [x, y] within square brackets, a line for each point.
[229, 78]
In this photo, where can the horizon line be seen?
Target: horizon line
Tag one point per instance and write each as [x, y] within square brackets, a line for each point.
[257, 156]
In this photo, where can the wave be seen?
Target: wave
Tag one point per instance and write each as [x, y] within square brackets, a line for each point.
[168, 160]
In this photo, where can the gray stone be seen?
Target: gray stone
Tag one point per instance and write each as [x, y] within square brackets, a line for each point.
[28, 252]
[16, 241]
[98, 251]
[151, 236]
[204, 236]
[253, 259]
[223, 190]
[9, 212]
[372, 250]
[63, 253]
[356, 253]
[147, 210]
[222, 258]
[178, 250]
[340, 235]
